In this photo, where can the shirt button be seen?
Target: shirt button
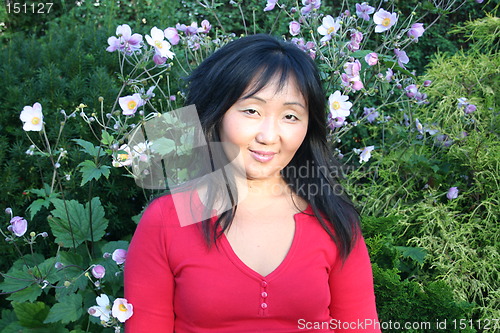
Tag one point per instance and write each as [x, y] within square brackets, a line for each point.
[263, 305]
[264, 284]
[264, 294]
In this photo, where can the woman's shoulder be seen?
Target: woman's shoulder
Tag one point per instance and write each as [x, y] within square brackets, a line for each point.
[175, 209]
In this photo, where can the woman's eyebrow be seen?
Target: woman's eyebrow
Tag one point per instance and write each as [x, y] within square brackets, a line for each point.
[264, 101]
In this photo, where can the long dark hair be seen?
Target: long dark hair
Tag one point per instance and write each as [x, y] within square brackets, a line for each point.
[220, 81]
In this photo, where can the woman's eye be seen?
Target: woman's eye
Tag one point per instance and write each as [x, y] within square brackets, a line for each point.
[291, 117]
[250, 111]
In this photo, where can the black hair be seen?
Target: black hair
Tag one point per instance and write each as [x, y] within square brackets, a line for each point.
[221, 80]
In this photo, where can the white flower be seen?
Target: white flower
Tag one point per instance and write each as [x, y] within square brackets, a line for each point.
[366, 154]
[32, 117]
[122, 310]
[339, 107]
[102, 309]
[129, 104]
[384, 20]
[161, 45]
[328, 28]
[123, 157]
[142, 150]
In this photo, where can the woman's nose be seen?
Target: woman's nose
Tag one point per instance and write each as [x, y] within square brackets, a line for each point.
[268, 131]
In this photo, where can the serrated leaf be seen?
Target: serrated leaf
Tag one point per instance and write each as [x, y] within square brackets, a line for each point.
[31, 315]
[89, 148]
[36, 205]
[69, 309]
[416, 253]
[73, 227]
[91, 171]
[163, 146]
[29, 294]
[16, 279]
[7, 317]
[107, 139]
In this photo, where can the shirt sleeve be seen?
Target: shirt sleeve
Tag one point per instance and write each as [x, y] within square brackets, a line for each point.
[149, 282]
[352, 305]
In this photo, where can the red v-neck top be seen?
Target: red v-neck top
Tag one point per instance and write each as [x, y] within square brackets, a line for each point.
[177, 284]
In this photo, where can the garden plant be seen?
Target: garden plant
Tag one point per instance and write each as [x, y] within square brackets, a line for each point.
[417, 129]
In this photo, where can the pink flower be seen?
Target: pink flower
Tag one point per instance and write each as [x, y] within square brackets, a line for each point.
[294, 28]
[188, 30]
[402, 57]
[270, 5]
[18, 226]
[371, 59]
[470, 108]
[371, 114]
[356, 38]
[384, 20]
[172, 35]
[427, 83]
[452, 193]
[126, 42]
[129, 104]
[122, 310]
[205, 27]
[411, 90]
[389, 75]
[416, 31]
[309, 5]
[98, 271]
[119, 256]
[352, 68]
[364, 10]
[335, 122]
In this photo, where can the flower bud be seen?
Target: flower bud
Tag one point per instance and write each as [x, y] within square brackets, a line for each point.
[106, 255]
[100, 99]
[58, 265]
[67, 283]
[44, 234]
[8, 210]
[98, 271]
[32, 234]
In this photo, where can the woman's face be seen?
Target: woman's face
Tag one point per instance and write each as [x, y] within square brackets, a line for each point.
[267, 128]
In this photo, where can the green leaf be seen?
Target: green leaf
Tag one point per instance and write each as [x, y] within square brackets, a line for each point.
[69, 308]
[16, 280]
[73, 226]
[89, 148]
[36, 205]
[7, 317]
[31, 315]
[107, 139]
[361, 54]
[163, 146]
[416, 253]
[91, 171]
[29, 294]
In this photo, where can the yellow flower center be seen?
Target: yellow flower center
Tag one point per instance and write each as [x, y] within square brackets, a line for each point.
[386, 22]
[122, 307]
[132, 105]
[336, 105]
[122, 157]
[331, 30]
[158, 44]
[35, 120]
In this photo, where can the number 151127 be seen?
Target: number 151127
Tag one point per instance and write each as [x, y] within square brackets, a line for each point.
[24, 8]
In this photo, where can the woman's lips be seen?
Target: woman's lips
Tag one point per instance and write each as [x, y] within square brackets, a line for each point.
[262, 156]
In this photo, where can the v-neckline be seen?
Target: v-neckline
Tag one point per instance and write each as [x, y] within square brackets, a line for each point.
[236, 260]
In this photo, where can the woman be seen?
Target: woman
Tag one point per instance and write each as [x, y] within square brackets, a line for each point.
[288, 256]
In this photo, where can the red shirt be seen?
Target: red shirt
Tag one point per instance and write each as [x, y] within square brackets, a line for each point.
[178, 284]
